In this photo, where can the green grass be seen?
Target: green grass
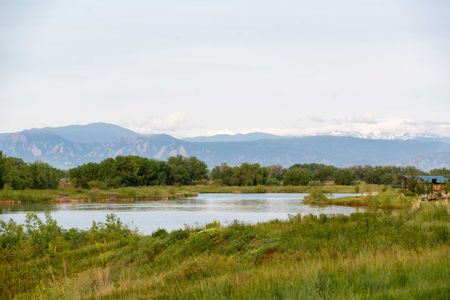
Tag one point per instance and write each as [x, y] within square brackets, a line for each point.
[384, 200]
[95, 195]
[327, 188]
[160, 192]
[373, 255]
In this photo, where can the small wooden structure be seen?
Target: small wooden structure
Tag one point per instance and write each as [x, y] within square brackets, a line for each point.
[437, 183]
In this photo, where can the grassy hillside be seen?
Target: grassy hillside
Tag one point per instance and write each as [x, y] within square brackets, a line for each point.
[372, 255]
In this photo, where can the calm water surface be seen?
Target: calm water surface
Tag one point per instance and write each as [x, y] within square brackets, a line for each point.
[197, 211]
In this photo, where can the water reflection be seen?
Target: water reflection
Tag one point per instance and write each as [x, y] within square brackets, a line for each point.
[205, 208]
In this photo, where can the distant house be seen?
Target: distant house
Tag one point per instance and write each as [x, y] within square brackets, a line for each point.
[64, 183]
[437, 182]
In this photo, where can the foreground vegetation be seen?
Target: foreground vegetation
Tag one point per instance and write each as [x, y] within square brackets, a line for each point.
[376, 255]
[9, 196]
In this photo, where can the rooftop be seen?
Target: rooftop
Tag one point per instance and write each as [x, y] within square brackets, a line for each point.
[433, 179]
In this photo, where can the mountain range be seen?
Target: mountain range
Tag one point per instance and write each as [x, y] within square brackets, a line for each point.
[70, 146]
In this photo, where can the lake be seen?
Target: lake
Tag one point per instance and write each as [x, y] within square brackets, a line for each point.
[174, 214]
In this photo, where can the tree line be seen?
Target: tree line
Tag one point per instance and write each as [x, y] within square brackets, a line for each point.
[178, 170]
[139, 171]
[19, 175]
[311, 174]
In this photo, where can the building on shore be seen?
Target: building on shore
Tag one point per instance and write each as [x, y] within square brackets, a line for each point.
[436, 183]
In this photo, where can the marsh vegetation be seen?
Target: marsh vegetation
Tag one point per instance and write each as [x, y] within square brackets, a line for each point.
[377, 254]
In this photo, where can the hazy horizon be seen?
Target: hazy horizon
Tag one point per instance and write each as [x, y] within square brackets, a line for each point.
[337, 134]
[195, 68]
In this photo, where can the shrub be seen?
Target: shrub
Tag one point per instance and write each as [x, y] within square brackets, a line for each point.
[273, 181]
[11, 234]
[316, 195]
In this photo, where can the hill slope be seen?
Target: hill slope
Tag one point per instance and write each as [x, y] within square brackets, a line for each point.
[91, 133]
[70, 146]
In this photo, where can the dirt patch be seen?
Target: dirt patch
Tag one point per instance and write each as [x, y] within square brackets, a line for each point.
[10, 202]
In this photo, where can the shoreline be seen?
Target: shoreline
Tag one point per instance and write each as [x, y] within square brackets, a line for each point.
[155, 193]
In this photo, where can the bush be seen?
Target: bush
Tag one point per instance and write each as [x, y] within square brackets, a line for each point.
[316, 195]
[273, 181]
[11, 234]
[297, 176]
[160, 233]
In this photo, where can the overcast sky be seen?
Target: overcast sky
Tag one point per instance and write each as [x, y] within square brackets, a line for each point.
[196, 67]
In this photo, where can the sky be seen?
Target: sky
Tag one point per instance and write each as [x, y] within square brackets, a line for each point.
[378, 68]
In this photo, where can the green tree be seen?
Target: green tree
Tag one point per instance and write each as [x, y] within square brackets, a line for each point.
[107, 172]
[153, 172]
[324, 173]
[198, 169]
[275, 172]
[128, 169]
[236, 176]
[297, 176]
[345, 177]
[82, 175]
[178, 167]
[252, 174]
[16, 173]
[223, 174]
[44, 176]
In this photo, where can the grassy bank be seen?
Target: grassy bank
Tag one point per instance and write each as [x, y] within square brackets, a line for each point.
[327, 188]
[95, 195]
[8, 196]
[385, 200]
[372, 255]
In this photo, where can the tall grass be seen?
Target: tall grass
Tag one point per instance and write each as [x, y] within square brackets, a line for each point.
[380, 255]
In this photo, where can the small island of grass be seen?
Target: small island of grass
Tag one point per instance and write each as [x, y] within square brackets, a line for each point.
[394, 199]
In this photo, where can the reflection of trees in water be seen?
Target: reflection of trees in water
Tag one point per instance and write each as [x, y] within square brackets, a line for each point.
[225, 203]
[28, 207]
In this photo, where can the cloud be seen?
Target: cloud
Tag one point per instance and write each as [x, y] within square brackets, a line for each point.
[369, 126]
[362, 119]
[366, 126]
[173, 123]
[428, 123]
